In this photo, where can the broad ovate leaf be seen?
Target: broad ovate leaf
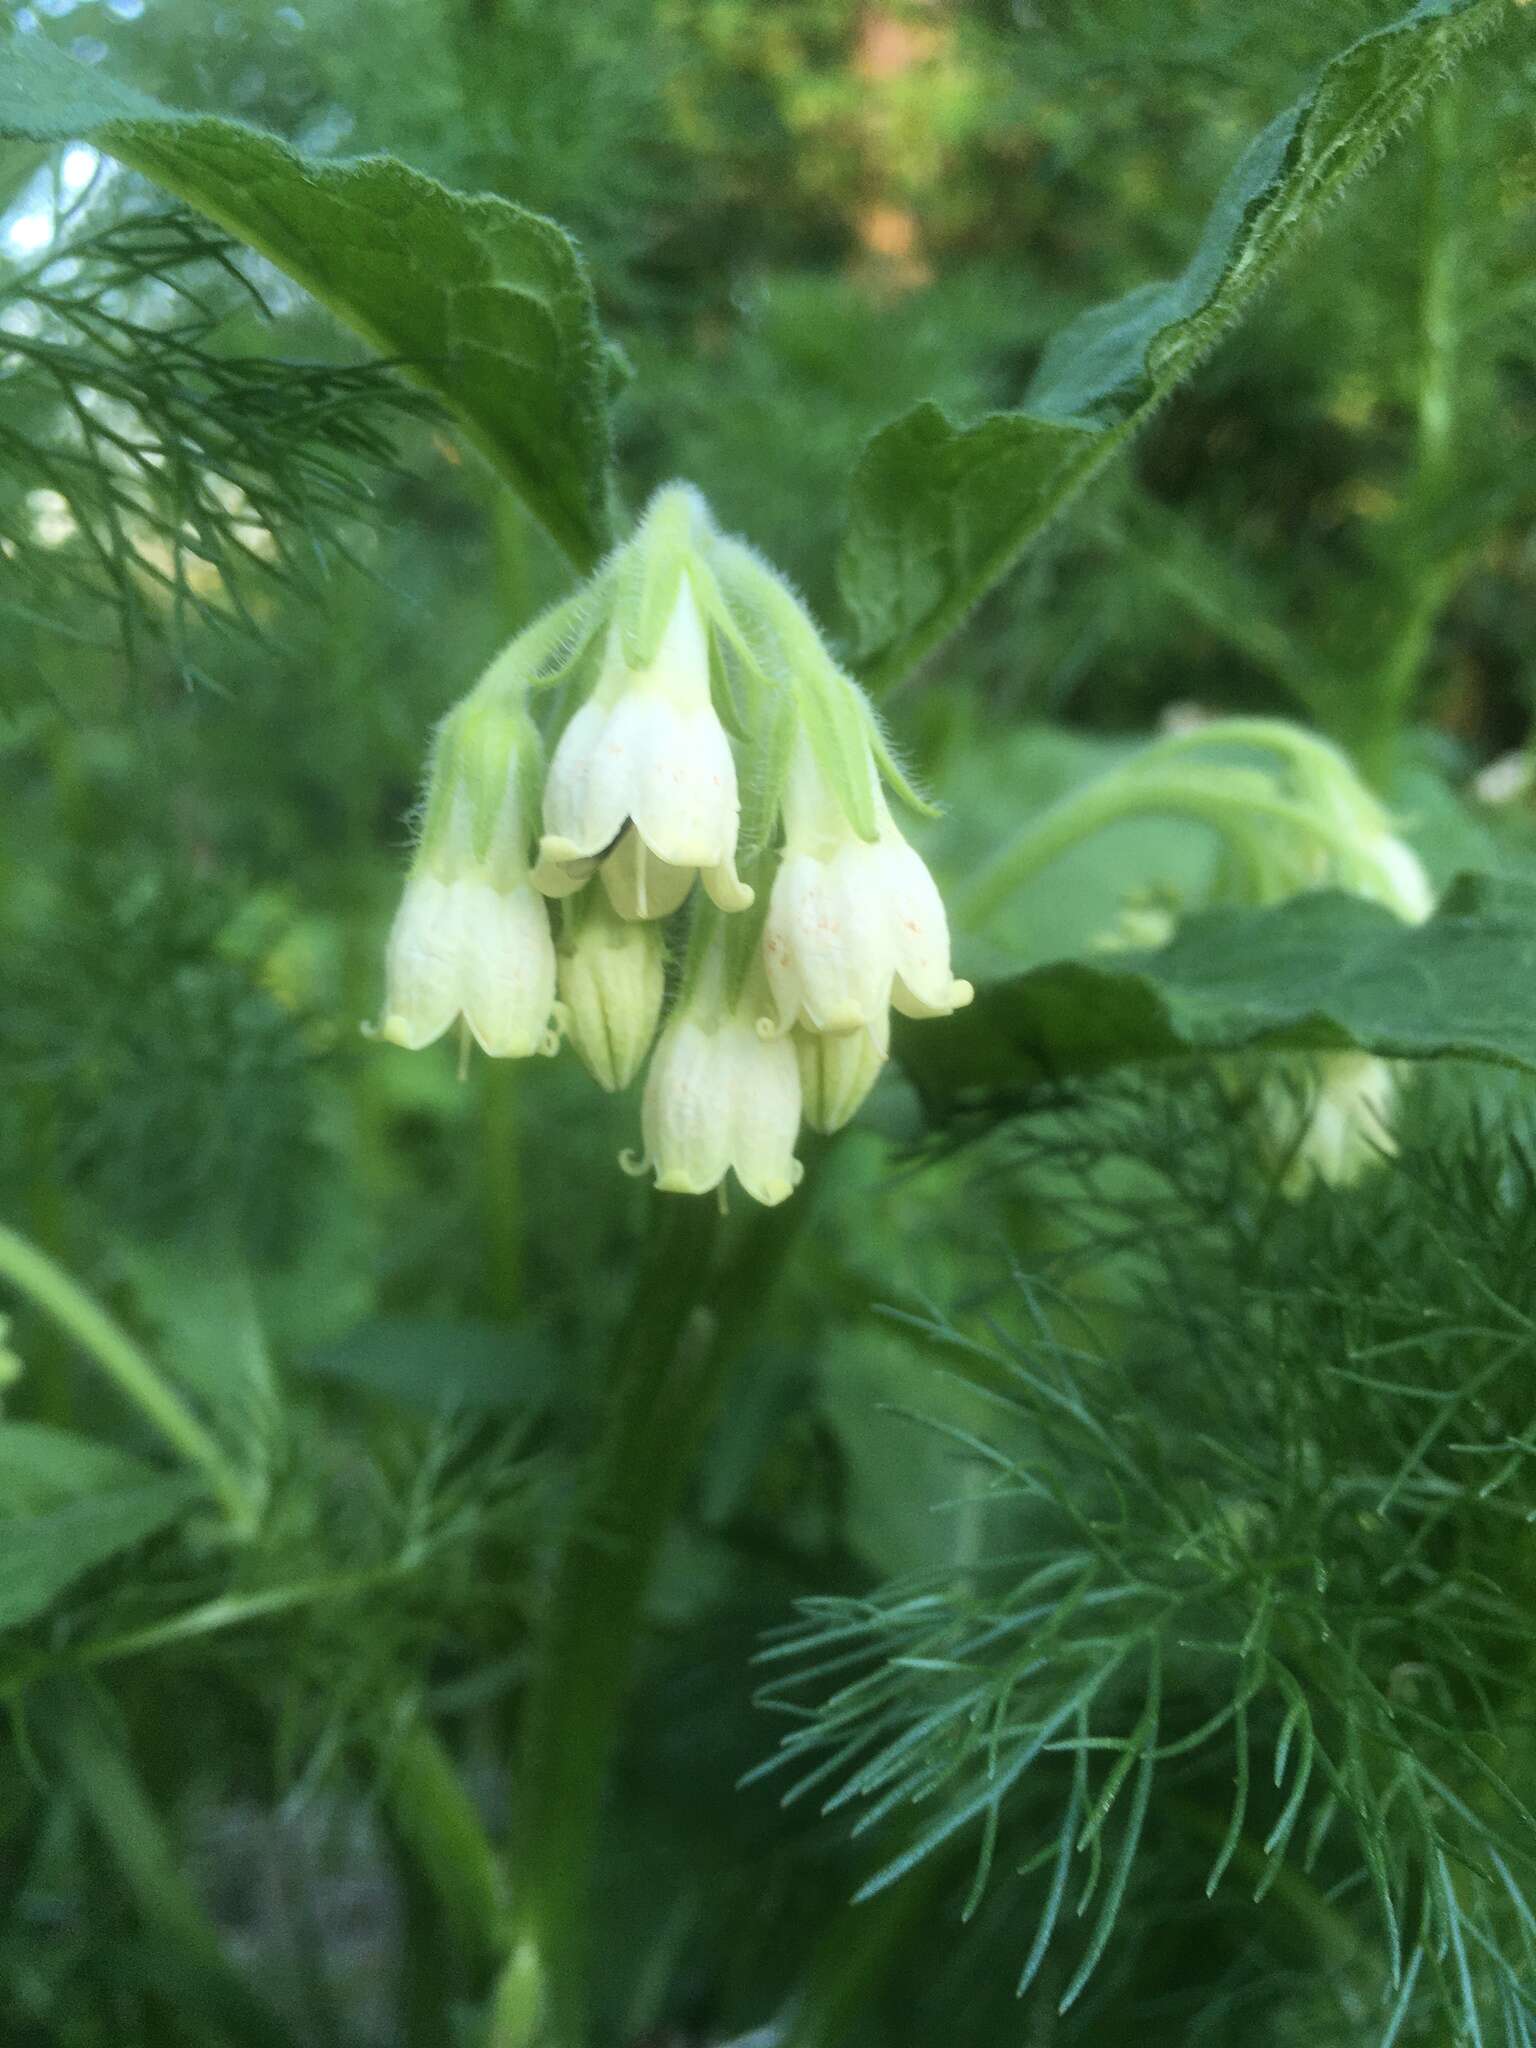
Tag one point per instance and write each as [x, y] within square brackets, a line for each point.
[483, 302]
[940, 511]
[1322, 972]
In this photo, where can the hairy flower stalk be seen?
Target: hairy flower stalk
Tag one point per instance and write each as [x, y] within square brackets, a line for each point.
[1307, 822]
[711, 734]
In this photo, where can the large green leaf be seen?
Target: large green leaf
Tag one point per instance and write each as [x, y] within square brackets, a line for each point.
[198, 1295]
[485, 303]
[939, 512]
[1318, 973]
[66, 1505]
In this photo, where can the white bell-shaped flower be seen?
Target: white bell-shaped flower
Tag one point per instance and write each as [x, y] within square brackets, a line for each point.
[646, 763]
[722, 1095]
[1329, 1120]
[471, 938]
[854, 926]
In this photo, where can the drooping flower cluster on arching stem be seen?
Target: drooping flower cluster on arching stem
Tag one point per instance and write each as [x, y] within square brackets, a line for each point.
[1303, 821]
[715, 802]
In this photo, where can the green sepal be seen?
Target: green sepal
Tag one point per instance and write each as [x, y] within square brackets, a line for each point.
[546, 651]
[891, 771]
[483, 745]
[756, 844]
[839, 737]
[787, 648]
[651, 570]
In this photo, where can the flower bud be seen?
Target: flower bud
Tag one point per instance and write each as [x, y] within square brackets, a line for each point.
[612, 979]
[837, 1071]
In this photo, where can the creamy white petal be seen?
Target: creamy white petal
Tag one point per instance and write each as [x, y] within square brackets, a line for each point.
[924, 984]
[422, 991]
[1405, 886]
[648, 751]
[725, 888]
[765, 1123]
[685, 1115]
[827, 942]
[508, 969]
[612, 980]
[683, 797]
[639, 885]
[586, 793]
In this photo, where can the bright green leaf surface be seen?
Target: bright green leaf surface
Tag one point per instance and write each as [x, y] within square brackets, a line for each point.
[199, 1298]
[66, 1505]
[940, 512]
[484, 303]
[1321, 971]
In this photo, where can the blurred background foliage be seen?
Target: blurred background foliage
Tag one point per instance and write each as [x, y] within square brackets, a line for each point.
[801, 216]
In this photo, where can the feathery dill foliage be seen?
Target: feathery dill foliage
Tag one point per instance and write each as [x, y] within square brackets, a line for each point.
[1245, 1583]
[155, 482]
[182, 1087]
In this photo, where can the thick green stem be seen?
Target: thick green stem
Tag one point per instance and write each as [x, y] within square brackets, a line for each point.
[437, 1823]
[501, 1173]
[52, 1289]
[687, 1323]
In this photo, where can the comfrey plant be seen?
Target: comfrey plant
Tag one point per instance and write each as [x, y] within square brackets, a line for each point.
[1293, 816]
[704, 733]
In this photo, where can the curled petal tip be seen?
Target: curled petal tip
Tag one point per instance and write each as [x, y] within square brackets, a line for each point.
[677, 1182]
[562, 868]
[726, 890]
[397, 1030]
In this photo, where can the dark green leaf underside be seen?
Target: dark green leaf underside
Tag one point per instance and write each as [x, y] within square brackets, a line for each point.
[484, 303]
[1321, 972]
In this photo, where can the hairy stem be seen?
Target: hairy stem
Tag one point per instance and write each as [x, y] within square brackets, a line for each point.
[688, 1320]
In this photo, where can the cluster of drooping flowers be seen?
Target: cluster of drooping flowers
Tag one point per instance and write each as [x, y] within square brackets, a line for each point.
[1303, 821]
[702, 732]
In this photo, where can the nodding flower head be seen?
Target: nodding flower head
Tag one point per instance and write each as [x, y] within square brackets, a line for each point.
[722, 1096]
[471, 937]
[644, 780]
[707, 733]
[855, 927]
